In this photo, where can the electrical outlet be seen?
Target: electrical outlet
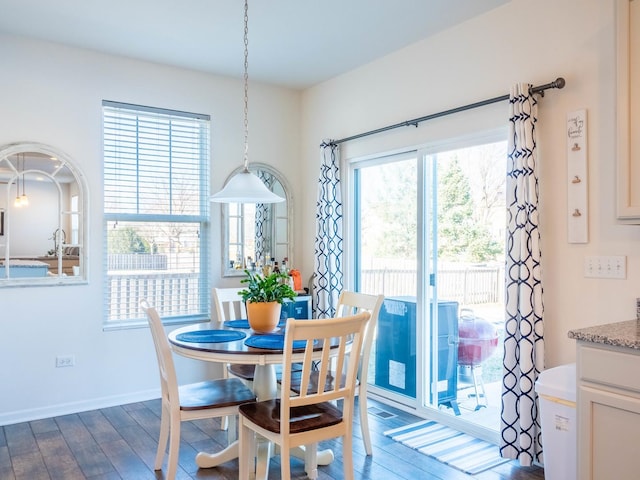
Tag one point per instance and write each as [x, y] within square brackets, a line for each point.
[605, 267]
[65, 361]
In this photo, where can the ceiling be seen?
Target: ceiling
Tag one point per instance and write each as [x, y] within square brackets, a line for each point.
[293, 43]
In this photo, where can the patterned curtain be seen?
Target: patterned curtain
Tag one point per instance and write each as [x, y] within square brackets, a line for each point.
[263, 220]
[327, 276]
[523, 343]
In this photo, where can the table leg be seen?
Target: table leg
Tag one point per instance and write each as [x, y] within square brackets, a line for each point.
[265, 385]
[208, 460]
[264, 454]
[324, 457]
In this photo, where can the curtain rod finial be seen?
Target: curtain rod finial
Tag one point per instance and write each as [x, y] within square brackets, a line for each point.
[559, 83]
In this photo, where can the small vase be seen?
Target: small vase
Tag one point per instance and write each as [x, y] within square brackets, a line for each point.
[263, 316]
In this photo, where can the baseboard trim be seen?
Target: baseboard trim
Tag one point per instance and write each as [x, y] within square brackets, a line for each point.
[29, 415]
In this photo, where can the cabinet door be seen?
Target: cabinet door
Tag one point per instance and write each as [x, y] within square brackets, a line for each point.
[609, 440]
[628, 122]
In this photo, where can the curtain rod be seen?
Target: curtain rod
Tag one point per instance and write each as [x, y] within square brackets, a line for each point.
[557, 83]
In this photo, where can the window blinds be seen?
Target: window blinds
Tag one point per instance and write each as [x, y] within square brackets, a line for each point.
[156, 212]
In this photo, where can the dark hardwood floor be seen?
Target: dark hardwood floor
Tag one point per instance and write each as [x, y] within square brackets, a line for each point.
[120, 442]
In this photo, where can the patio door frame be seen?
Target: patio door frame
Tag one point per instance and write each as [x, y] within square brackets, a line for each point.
[426, 281]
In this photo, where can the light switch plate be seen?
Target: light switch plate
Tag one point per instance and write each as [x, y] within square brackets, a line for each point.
[605, 266]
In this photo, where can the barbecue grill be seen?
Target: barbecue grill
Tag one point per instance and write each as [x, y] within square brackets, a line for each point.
[478, 339]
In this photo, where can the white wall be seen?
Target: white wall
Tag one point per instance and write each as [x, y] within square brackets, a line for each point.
[52, 94]
[483, 58]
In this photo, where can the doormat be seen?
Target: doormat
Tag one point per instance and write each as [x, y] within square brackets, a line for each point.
[459, 450]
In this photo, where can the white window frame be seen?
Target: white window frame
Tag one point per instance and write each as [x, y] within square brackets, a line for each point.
[181, 295]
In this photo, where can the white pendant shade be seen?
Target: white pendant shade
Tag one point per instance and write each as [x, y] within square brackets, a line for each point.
[245, 187]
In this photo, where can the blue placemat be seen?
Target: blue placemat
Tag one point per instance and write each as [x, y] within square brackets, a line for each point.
[272, 342]
[244, 323]
[210, 336]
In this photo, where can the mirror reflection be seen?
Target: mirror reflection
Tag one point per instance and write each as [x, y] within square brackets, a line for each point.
[41, 217]
[257, 234]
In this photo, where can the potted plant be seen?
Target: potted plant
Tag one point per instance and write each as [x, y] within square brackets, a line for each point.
[263, 297]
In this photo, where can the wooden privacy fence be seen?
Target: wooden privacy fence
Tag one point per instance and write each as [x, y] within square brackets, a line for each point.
[178, 294]
[468, 286]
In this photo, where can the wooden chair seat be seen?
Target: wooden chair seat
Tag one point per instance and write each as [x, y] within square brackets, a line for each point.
[304, 418]
[214, 393]
[245, 372]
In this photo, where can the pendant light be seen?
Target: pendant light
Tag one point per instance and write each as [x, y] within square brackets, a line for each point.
[246, 187]
[21, 200]
[18, 201]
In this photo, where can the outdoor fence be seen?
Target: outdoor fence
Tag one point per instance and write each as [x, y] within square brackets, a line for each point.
[177, 294]
[173, 294]
[136, 261]
[467, 285]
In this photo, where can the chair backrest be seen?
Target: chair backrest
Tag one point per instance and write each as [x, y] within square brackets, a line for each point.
[168, 378]
[348, 333]
[351, 303]
[229, 305]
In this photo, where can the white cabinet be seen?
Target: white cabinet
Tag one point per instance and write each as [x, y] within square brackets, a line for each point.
[628, 104]
[608, 412]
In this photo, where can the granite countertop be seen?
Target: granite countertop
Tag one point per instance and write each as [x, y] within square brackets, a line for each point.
[620, 334]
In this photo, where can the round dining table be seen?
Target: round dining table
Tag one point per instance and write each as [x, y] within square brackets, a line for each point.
[190, 342]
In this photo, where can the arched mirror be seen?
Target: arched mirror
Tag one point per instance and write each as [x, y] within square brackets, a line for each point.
[257, 233]
[42, 217]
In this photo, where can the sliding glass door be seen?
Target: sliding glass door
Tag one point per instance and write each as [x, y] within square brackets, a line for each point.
[428, 233]
[386, 256]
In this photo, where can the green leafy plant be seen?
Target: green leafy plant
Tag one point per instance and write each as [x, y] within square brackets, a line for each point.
[270, 288]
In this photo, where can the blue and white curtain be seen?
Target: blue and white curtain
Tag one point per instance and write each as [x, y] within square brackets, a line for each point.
[264, 220]
[524, 341]
[327, 271]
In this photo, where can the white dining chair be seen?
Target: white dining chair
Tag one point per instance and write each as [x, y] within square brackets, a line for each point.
[314, 414]
[195, 401]
[351, 303]
[229, 306]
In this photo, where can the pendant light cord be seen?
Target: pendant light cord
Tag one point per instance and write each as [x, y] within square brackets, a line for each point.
[18, 181]
[23, 192]
[246, 86]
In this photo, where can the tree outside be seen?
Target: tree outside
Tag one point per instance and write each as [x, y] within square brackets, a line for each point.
[463, 232]
[127, 240]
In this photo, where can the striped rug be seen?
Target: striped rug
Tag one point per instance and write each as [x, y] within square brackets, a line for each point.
[464, 452]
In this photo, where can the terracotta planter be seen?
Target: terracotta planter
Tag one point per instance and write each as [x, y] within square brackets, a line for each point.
[263, 316]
